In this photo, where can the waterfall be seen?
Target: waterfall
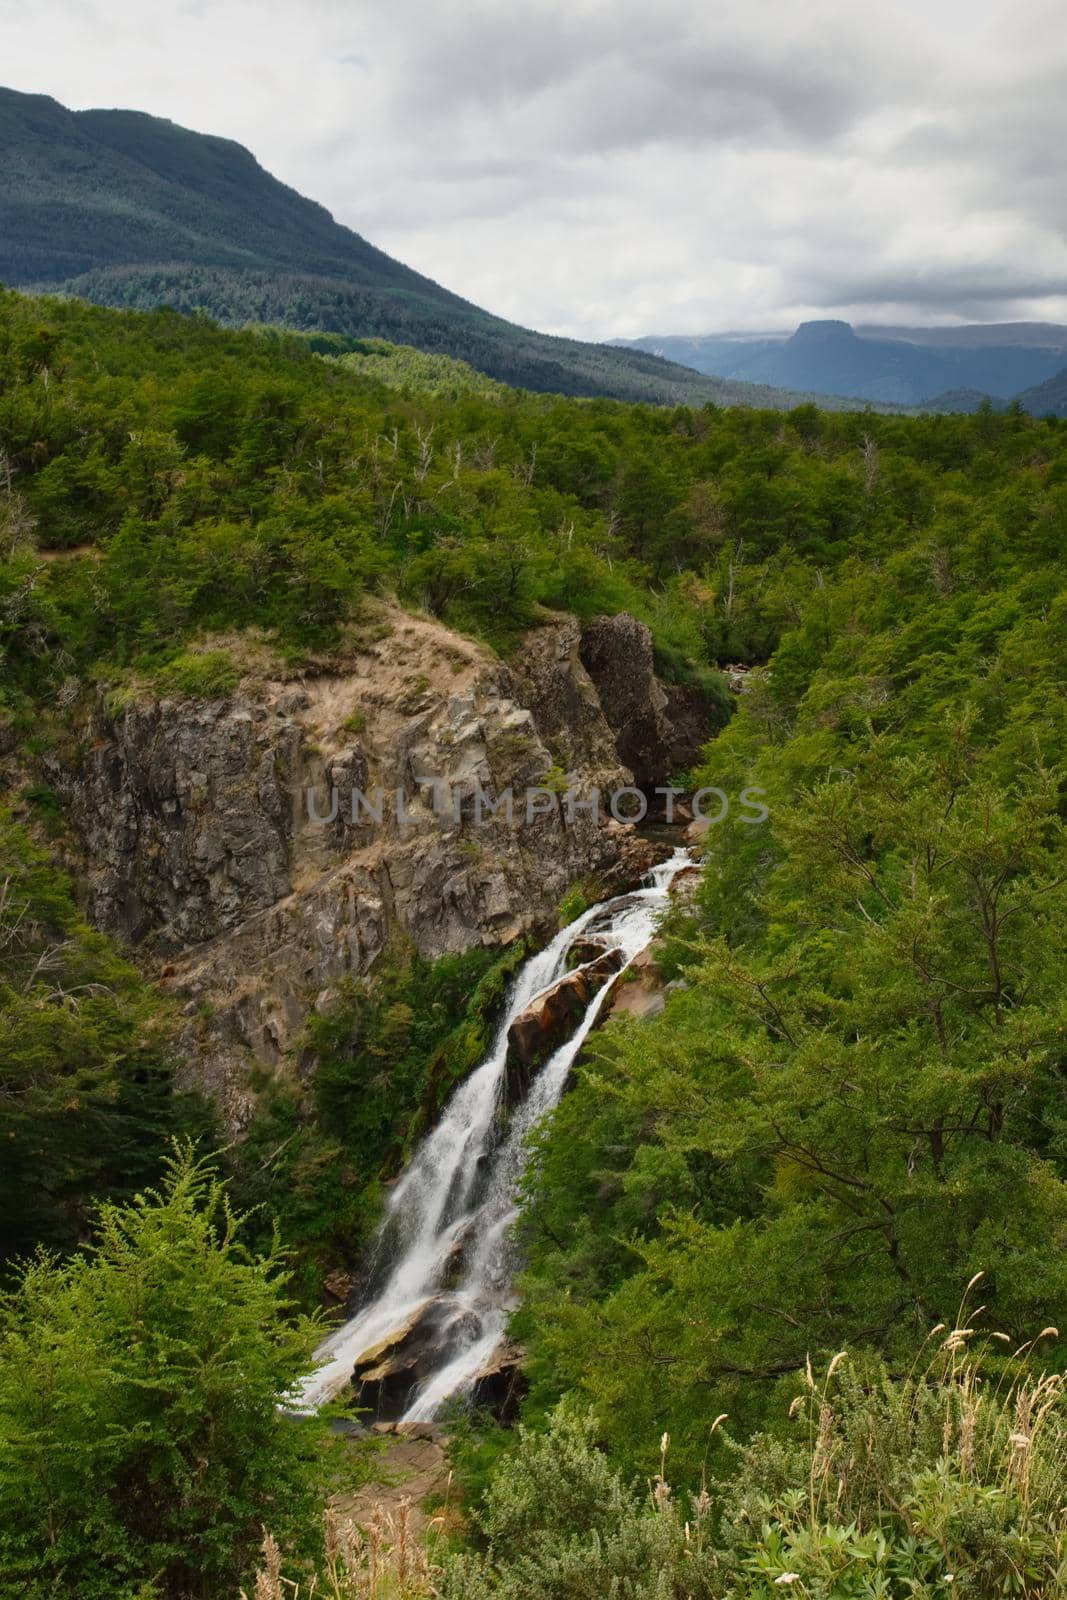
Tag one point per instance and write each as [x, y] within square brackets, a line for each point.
[449, 1216]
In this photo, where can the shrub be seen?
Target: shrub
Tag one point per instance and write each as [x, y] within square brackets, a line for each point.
[884, 1486]
[204, 675]
[141, 1443]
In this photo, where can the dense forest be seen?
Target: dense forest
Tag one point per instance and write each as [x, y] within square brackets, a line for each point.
[845, 1133]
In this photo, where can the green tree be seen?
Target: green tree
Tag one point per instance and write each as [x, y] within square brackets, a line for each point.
[141, 1443]
[830, 1129]
[87, 1096]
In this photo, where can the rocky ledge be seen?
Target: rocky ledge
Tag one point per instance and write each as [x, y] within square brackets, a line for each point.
[199, 847]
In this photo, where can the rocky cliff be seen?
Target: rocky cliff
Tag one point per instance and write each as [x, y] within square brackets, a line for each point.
[203, 850]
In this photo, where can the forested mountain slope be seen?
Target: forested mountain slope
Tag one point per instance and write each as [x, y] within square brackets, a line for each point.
[1047, 399]
[131, 210]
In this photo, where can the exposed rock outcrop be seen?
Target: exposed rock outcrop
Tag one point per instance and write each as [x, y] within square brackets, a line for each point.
[553, 683]
[552, 1017]
[199, 845]
[658, 730]
[642, 992]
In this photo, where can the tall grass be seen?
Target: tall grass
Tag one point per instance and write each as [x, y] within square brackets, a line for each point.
[945, 1482]
[388, 1560]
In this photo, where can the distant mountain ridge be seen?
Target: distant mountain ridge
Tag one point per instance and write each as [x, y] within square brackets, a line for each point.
[884, 365]
[133, 211]
[1047, 399]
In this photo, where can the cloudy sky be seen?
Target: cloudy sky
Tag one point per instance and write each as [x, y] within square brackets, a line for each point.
[618, 167]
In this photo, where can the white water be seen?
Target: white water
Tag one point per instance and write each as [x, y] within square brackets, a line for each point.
[457, 1198]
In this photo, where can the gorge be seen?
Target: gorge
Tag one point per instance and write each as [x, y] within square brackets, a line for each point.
[438, 1320]
[829, 1095]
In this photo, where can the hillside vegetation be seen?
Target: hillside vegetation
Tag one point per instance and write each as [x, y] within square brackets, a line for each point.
[131, 210]
[853, 1103]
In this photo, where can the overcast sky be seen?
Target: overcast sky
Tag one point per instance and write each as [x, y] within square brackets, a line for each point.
[619, 167]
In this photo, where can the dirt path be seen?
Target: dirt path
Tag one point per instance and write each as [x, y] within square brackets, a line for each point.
[414, 1466]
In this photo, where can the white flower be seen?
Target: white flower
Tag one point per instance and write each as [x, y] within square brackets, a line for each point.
[788, 1577]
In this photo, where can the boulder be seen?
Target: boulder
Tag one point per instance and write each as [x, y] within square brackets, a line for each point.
[642, 994]
[550, 1019]
[635, 855]
[339, 1285]
[584, 950]
[685, 884]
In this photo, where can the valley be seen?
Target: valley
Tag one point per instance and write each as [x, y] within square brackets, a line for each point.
[323, 1117]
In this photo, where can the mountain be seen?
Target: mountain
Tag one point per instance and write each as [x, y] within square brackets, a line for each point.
[975, 335]
[133, 211]
[832, 358]
[963, 401]
[1047, 399]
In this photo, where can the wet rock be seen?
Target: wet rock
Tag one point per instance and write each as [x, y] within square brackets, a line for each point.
[685, 884]
[339, 1285]
[500, 1384]
[550, 1019]
[387, 1372]
[642, 992]
[584, 950]
[425, 1432]
[395, 1338]
[635, 855]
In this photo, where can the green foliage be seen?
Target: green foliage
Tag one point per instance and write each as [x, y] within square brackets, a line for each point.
[87, 1098]
[573, 904]
[855, 1100]
[878, 1486]
[384, 1057]
[205, 481]
[402, 367]
[142, 1444]
[205, 675]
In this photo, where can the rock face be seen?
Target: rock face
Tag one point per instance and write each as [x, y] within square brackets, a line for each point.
[563, 700]
[644, 995]
[658, 731]
[201, 847]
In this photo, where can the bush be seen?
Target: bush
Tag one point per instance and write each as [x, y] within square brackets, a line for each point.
[206, 675]
[141, 1444]
[951, 1475]
[883, 1486]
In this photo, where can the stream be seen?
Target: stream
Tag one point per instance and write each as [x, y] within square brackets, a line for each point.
[446, 1235]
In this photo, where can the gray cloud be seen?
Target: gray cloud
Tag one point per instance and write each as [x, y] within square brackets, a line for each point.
[610, 167]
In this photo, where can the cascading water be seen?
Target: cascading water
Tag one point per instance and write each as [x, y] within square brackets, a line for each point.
[449, 1217]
